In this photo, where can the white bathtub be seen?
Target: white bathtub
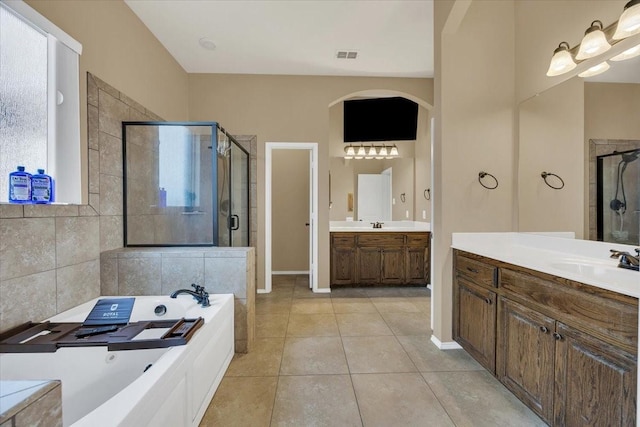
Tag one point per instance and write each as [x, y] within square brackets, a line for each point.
[111, 388]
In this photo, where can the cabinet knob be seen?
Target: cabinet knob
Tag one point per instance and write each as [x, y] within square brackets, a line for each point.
[557, 336]
[488, 300]
[544, 329]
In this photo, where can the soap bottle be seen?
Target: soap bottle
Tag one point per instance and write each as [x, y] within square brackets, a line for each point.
[20, 186]
[42, 188]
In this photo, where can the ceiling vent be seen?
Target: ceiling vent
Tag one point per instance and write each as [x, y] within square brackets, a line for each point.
[347, 54]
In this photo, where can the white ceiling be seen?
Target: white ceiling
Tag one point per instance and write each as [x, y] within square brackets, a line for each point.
[394, 38]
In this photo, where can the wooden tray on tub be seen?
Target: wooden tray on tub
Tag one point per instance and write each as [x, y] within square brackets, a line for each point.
[48, 337]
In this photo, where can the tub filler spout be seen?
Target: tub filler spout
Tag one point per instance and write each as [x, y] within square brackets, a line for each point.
[199, 294]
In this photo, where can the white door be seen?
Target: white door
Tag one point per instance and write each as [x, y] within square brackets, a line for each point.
[312, 222]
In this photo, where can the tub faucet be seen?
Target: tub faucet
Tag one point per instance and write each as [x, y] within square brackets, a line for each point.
[627, 260]
[199, 294]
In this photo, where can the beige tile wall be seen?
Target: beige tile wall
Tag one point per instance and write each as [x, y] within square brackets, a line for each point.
[49, 255]
[45, 403]
[160, 271]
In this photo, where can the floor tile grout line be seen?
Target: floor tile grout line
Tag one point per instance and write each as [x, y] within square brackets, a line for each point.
[438, 399]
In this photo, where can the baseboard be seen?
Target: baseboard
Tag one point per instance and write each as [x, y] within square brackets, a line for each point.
[449, 345]
[289, 273]
[262, 291]
[322, 291]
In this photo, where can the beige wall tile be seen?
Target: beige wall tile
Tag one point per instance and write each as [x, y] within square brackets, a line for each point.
[108, 275]
[93, 127]
[31, 297]
[92, 90]
[111, 232]
[112, 113]
[180, 273]
[226, 275]
[77, 240]
[11, 211]
[110, 195]
[27, 246]
[47, 410]
[39, 211]
[139, 276]
[110, 154]
[140, 230]
[77, 284]
[67, 210]
[94, 171]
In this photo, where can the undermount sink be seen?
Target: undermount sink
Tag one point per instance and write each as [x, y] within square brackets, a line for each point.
[584, 267]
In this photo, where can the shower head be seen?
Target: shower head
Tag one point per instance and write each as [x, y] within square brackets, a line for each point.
[631, 156]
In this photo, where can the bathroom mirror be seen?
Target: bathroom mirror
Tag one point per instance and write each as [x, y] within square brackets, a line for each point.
[586, 131]
[344, 181]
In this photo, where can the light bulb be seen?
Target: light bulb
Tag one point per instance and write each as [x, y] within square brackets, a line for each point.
[627, 54]
[394, 151]
[595, 70]
[562, 61]
[629, 22]
[349, 151]
[594, 42]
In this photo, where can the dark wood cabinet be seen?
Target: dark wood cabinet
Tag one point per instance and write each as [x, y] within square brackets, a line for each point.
[525, 355]
[566, 349]
[595, 381]
[477, 323]
[379, 258]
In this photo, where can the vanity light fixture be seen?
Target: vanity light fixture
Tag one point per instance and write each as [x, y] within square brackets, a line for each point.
[627, 54]
[562, 61]
[594, 42]
[595, 70]
[369, 152]
[629, 22]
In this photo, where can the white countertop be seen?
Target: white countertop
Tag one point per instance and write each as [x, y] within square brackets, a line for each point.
[584, 261]
[390, 226]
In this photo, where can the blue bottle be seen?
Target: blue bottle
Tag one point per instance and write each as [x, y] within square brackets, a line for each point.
[42, 188]
[20, 186]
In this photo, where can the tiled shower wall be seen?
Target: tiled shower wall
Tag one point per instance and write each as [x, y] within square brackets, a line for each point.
[50, 255]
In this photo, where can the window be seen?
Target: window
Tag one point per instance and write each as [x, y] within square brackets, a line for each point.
[39, 100]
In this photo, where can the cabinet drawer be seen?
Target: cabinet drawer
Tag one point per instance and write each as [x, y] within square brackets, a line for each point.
[480, 273]
[343, 241]
[610, 316]
[381, 240]
[417, 239]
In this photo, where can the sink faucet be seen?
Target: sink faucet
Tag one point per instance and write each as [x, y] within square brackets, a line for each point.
[199, 294]
[627, 260]
[377, 224]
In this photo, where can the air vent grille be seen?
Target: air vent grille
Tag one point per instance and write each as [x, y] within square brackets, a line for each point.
[347, 54]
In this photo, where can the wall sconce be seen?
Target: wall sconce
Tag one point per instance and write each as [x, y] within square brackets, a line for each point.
[595, 43]
[370, 152]
[629, 22]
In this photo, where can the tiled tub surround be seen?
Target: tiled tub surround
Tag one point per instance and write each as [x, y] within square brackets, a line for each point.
[49, 254]
[27, 403]
[160, 271]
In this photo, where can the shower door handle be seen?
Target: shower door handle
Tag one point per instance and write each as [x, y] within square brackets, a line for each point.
[235, 222]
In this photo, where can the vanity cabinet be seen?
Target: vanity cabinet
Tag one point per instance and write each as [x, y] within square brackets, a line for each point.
[566, 349]
[474, 319]
[379, 258]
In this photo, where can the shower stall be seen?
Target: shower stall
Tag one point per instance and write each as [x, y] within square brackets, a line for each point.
[185, 184]
[618, 197]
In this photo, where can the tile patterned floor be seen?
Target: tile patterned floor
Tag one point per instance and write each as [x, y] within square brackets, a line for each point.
[355, 357]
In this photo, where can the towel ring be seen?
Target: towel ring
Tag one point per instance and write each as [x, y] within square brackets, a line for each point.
[544, 176]
[482, 175]
[427, 194]
[403, 197]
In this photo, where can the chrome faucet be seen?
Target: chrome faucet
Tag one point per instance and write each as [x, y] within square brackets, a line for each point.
[627, 260]
[199, 294]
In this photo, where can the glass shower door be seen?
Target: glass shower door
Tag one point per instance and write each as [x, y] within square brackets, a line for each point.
[618, 190]
[240, 196]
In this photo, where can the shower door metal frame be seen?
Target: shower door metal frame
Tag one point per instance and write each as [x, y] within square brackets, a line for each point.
[247, 195]
[600, 191]
[214, 172]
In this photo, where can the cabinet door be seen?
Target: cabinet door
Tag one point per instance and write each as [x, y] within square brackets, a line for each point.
[476, 323]
[417, 262]
[368, 267]
[595, 381]
[393, 266]
[525, 355]
[343, 266]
